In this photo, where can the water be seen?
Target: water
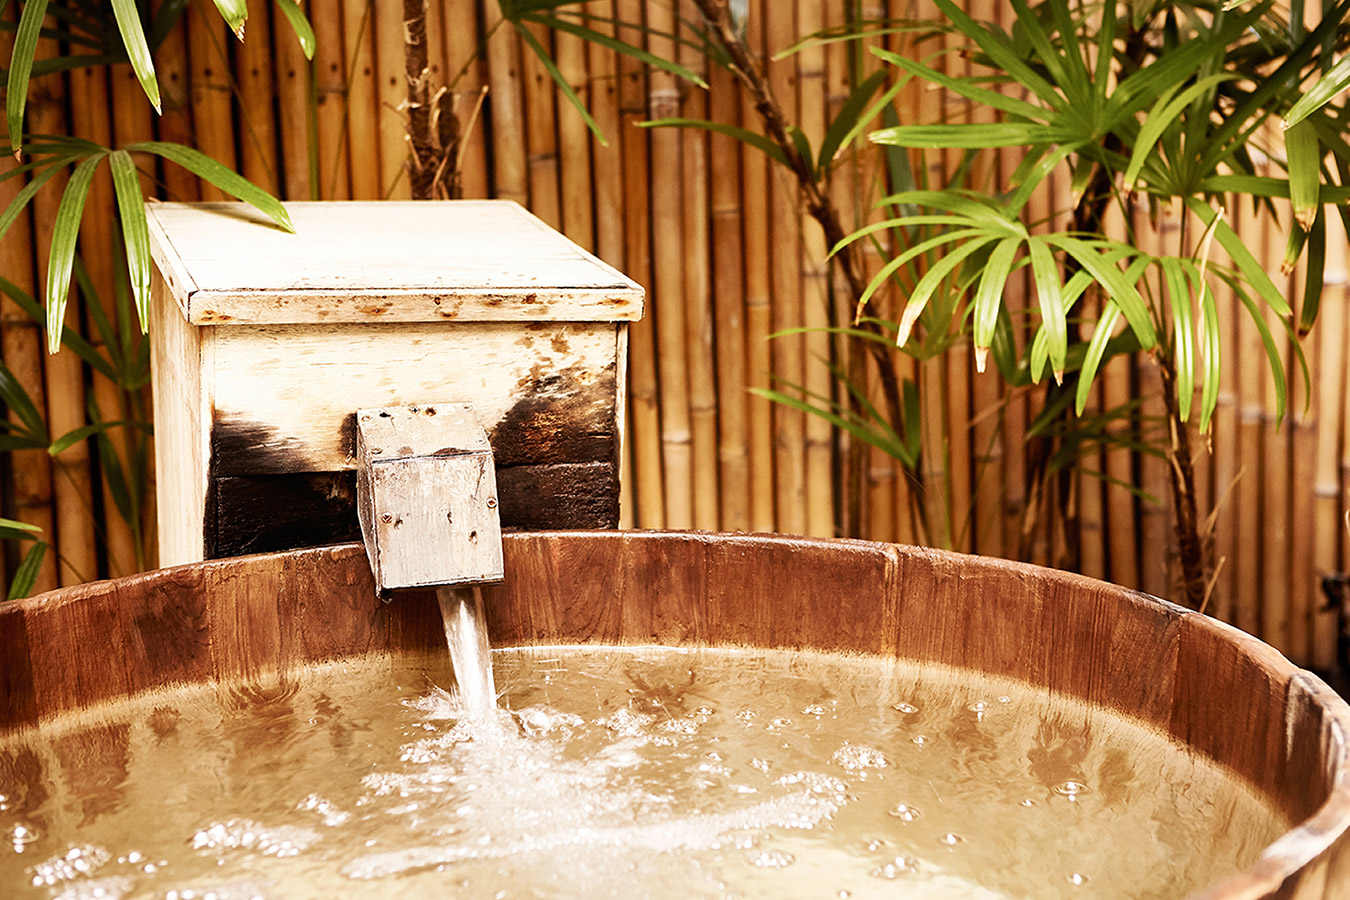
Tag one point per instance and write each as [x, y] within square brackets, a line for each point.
[466, 636]
[640, 773]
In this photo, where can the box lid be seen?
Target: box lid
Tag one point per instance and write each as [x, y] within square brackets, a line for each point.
[430, 261]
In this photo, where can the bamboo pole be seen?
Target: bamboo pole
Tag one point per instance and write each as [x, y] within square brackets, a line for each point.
[461, 25]
[1226, 464]
[391, 94]
[297, 109]
[541, 135]
[755, 190]
[212, 112]
[643, 403]
[1330, 335]
[1156, 543]
[698, 301]
[1277, 610]
[89, 118]
[815, 294]
[363, 104]
[1249, 529]
[175, 121]
[510, 167]
[574, 144]
[29, 497]
[1122, 509]
[257, 127]
[729, 307]
[63, 372]
[786, 311]
[330, 99]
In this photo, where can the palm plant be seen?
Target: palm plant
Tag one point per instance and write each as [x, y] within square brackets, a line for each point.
[1168, 107]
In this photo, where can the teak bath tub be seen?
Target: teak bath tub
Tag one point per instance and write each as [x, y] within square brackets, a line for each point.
[1209, 686]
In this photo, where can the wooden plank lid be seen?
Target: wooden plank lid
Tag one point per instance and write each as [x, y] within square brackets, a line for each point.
[466, 260]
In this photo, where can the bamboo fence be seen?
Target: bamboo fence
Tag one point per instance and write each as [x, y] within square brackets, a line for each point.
[719, 239]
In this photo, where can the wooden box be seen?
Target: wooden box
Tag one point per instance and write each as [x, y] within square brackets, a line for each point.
[264, 345]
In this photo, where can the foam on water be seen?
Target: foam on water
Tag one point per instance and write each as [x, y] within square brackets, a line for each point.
[640, 773]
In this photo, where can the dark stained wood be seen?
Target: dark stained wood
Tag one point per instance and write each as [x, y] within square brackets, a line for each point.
[559, 495]
[266, 513]
[249, 621]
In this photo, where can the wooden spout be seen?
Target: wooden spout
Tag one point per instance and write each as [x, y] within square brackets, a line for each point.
[426, 496]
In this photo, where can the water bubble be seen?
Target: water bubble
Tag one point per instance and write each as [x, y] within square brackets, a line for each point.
[773, 859]
[906, 708]
[978, 706]
[762, 764]
[1004, 699]
[856, 756]
[778, 724]
[1077, 878]
[920, 739]
[1028, 802]
[950, 839]
[901, 865]
[1071, 789]
[814, 709]
[904, 812]
[22, 835]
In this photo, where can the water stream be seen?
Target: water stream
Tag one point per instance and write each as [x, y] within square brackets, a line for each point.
[466, 635]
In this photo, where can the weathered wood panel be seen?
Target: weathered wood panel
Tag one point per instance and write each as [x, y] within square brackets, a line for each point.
[486, 260]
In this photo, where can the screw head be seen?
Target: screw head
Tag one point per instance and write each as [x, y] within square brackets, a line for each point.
[492, 503]
[386, 518]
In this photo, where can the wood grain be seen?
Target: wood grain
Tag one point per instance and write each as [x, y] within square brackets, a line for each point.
[246, 623]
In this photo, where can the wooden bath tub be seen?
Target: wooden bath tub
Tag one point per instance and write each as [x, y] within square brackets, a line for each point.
[1222, 692]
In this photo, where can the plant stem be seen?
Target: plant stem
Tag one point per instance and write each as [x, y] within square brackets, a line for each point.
[1193, 550]
[422, 144]
[810, 187]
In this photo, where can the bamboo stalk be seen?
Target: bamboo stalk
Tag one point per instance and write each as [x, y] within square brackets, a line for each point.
[729, 308]
[1330, 335]
[541, 136]
[90, 119]
[1277, 605]
[175, 121]
[257, 126]
[574, 144]
[698, 302]
[391, 94]
[607, 162]
[63, 373]
[294, 98]
[212, 114]
[643, 405]
[331, 102]
[1250, 527]
[462, 34]
[1122, 509]
[815, 293]
[758, 313]
[1224, 439]
[510, 167]
[29, 496]
[786, 310]
[667, 280]
[363, 105]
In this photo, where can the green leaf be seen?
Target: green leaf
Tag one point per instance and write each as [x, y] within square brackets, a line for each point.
[848, 119]
[1268, 341]
[967, 89]
[1120, 289]
[26, 575]
[26, 192]
[881, 441]
[13, 530]
[618, 46]
[62, 254]
[1003, 56]
[1210, 348]
[203, 166]
[1054, 324]
[235, 12]
[20, 404]
[69, 337]
[21, 66]
[1183, 358]
[1253, 271]
[1165, 112]
[1335, 80]
[975, 136]
[745, 136]
[1304, 155]
[138, 51]
[894, 265]
[135, 233]
[71, 438]
[300, 25]
[989, 295]
[1316, 275]
[803, 146]
[559, 81]
[929, 283]
[1096, 349]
